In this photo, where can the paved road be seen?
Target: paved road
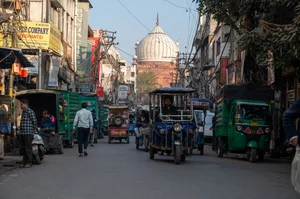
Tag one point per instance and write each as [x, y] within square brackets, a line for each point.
[119, 171]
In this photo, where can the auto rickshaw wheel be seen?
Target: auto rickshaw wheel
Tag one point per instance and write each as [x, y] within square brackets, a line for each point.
[220, 150]
[152, 153]
[109, 140]
[137, 143]
[201, 149]
[37, 159]
[128, 140]
[146, 145]
[118, 121]
[177, 155]
[183, 158]
[120, 140]
[71, 141]
[253, 154]
[60, 149]
[261, 155]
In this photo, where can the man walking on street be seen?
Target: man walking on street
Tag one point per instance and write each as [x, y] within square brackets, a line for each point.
[84, 122]
[27, 127]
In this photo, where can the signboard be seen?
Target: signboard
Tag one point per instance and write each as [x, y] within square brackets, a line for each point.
[53, 73]
[34, 59]
[37, 35]
[86, 88]
[122, 93]
[55, 39]
[95, 57]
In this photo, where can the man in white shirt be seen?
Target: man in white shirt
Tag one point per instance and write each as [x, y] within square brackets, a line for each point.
[84, 122]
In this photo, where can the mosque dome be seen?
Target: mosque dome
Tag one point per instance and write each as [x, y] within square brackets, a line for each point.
[156, 46]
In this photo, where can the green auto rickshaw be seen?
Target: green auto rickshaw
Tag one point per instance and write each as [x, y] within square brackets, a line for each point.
[71, 106]
[53, 102]
[243, 120]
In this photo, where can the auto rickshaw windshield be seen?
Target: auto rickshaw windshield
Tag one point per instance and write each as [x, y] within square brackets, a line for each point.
[253, 112]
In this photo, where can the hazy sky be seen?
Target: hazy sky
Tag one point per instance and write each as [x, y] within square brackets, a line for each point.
[178, 18]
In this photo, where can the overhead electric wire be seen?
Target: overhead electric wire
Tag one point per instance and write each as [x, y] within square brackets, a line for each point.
[126, 53]
[146, 26]
[177, 5]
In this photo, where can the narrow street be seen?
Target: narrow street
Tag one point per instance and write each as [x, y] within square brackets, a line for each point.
[120, 171]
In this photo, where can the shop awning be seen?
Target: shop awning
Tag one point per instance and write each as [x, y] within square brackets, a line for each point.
[8, 56]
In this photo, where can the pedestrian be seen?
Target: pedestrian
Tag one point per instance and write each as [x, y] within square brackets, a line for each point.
[3, 127]
[92, 136]
[289, 117]
[28, 126]
[84, 123]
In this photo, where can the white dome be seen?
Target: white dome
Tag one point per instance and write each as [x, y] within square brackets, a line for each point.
[157, 46]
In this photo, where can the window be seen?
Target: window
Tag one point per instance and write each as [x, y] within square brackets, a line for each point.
[67, 29]
[72, 30]
[132, 74]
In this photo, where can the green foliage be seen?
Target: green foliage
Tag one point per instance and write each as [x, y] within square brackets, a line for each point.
[146, 82]
[258, 26]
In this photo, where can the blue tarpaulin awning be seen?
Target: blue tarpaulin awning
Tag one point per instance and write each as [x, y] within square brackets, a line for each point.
[211, 104]
[9, 55]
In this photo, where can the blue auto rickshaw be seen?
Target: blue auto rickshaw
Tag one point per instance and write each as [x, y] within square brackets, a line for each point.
[200, 107]
[172, 133]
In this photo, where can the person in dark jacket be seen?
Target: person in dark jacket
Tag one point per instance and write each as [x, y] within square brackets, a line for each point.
[48, 123]
[289, 117]
[168, 108]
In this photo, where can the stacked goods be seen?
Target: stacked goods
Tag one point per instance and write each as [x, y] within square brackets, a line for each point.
[247, 91]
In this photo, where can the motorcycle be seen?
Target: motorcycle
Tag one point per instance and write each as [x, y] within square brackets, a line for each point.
[144, 138]
[288, 149]
[38, 149]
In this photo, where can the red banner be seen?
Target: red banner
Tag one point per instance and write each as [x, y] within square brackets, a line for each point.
[224, 64]
[99, 92]
[95, 42]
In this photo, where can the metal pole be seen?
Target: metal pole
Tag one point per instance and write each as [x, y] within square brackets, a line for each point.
[40, 70]
[11, 75]
[11, 83]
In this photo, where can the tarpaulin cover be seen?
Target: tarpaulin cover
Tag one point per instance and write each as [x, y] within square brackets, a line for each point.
[9, 55]
[211, 104]
[247, 91]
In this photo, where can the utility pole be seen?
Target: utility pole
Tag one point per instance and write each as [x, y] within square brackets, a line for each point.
[106, 42]
[13, 43]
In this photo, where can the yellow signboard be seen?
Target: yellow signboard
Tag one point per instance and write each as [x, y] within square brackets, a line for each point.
[55, 39]
[36, 35]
